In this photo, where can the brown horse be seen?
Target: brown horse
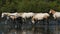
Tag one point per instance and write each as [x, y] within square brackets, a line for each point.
[55, 14]
[52, 11]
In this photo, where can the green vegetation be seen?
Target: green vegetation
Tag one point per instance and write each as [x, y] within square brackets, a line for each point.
[29, 5]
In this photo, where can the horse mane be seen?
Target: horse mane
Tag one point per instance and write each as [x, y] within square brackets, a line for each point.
[53, 11]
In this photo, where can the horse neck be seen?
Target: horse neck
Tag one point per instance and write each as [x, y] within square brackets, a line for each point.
[53, 12]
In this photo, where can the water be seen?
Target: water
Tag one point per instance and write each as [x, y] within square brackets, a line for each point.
[9, 26]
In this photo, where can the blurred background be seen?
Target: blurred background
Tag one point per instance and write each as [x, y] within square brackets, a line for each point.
[14, 27]
[29, 5]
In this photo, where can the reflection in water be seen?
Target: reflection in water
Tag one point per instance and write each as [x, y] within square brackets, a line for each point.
[9, 26]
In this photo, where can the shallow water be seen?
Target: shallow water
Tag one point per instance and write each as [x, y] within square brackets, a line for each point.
[40, 27]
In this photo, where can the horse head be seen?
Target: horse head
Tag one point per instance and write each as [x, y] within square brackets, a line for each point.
[52, 11]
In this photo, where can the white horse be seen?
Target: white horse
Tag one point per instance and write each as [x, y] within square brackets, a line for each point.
[10, 15]
[3, 14]
[19, 14]
[13, 15]
[55, 14]
[40, 16]
[27, 15]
